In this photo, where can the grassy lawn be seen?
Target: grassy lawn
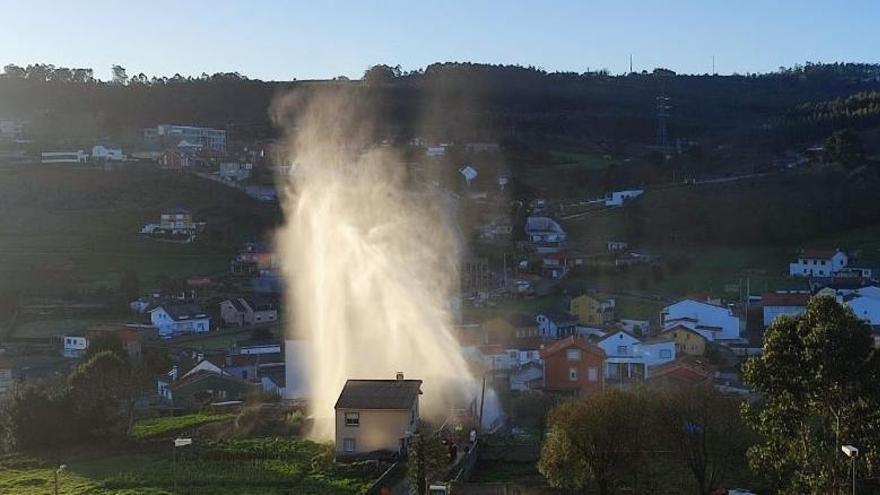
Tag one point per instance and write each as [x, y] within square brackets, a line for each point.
[160, 427]
[263, 465]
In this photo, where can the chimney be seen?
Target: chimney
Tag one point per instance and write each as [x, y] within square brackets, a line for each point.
[399, 375]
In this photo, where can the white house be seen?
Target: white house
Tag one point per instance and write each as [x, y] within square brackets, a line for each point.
[107, 153]
[556, 324]
[629, 357]
[74, 346]
[545, 234]
[436, 151]
[618, 198]
[818, 263]
[176, 319]
[235, 171]
[865, 307]
[711, 321]
[776, 304]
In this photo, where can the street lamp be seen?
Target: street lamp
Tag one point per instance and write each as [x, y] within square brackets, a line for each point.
[57, 472]
[852, 453]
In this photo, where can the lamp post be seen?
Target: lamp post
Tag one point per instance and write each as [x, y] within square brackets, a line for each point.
[58, 472]
[852, 453]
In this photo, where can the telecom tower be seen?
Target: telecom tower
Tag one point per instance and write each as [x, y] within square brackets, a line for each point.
[663, 107]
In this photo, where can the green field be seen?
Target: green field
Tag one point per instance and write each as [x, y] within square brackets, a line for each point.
[73, 229]
[581, 159]
[261, 465]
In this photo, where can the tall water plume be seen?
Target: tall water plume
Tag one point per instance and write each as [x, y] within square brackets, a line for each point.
[369, 260]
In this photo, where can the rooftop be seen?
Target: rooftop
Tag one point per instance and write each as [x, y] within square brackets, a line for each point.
[379, 394]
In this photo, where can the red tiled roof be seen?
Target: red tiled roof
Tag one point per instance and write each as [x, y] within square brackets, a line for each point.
[561, 345]
[818, 254]
[774, 299]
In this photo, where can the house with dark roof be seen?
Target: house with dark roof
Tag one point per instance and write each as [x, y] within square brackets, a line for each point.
[205, 387]
[172, 319]
[573, 367]
[556, 324]
[250, 310]
[818, 263]
[376, 416]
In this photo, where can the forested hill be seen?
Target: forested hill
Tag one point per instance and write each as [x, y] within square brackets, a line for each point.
[445, 101]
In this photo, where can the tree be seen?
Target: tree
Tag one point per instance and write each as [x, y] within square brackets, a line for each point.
[845, 147]
[35, 417]
[818, 377]
[83, 76]
[706, 431]
[14, 71]
[120, 77]
[381, 74]
[105, 389]
[588, 440]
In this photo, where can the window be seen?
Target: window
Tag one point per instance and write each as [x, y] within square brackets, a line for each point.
[593, 374]
[573, 374]
[665, 354]
[573, 354]
[352, 419]
[621, 350]
[348, 445]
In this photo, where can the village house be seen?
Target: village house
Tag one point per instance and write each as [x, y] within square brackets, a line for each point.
[545, 234]
[205, 387]
[616, 199]
[818, 263]
[130, 338]
[235, 171]
[712, 321]
[249, 310]
[107, 153]
[573, 367]
[528, 376]
[556, 324]
[502, 329]
[865, 304]
[254, 258]
[173, 319]
[629, 358]
[775, 304]
[376, 416]
[592, 310]
[686, 372]
[74, 346]
[688, 342]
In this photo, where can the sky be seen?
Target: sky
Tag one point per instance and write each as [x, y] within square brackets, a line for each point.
[282, 40]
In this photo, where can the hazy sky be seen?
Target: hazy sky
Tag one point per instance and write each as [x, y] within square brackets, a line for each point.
[276, 39]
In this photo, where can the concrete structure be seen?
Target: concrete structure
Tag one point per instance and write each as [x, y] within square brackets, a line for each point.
[775, 305]
[573, 367]
[528, 376]
[172, 319]
[712, 321]
[376, 416]
[5, 375]
[168, 135]
[235, 171]
[818, 263]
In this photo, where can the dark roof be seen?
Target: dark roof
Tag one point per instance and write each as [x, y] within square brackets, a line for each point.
[560, 316]
[818, 254]
[259, 302]
[379, 394]
[236, 303]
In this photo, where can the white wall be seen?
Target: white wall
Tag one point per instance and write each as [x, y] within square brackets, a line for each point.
[706, 315]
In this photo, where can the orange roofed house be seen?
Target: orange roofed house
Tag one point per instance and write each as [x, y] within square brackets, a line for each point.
[574, 367]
